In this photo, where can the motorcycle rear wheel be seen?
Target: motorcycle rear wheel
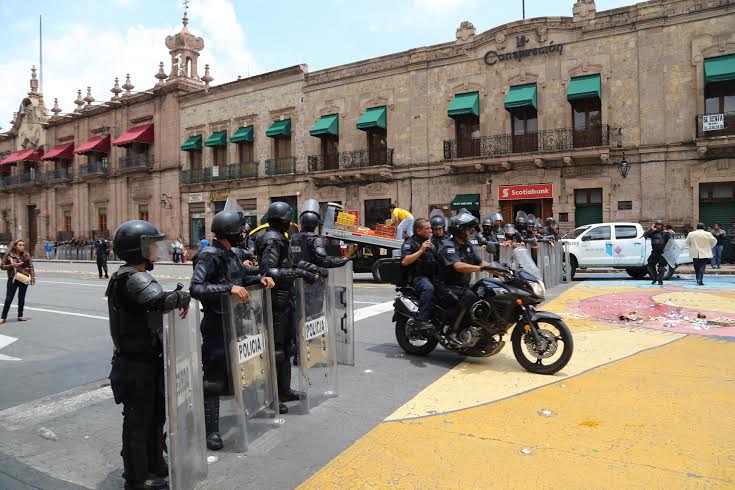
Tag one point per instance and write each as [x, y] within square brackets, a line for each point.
[536, 365]
[416, 347]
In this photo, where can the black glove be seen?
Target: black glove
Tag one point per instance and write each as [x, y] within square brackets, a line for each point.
[309, 277]
[323, 272]
[176, 299]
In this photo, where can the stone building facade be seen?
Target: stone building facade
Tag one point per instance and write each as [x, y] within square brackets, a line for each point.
[594, 117]
[78, 175]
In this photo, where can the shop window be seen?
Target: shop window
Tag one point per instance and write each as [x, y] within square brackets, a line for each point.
[196, 223]
[525, 129]
[143, 212]
[563, 217]
[625, 205]
[716, 191]
[102, 218]
[587, 196]
[467, 131]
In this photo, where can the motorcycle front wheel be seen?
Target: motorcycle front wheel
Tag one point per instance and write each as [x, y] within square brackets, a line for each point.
[548, 357]
[413, 346]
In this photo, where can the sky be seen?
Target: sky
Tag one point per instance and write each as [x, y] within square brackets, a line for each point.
[89, 43]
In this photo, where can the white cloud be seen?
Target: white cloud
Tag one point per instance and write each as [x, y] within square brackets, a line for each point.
[373, 28]
[438, 6]
[87, 55]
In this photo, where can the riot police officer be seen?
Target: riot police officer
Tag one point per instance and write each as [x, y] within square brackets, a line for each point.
[656, 261]
[419, 256]
[218, 271]
[550, 228]
[438, 232]
[102, 252]
[458, 260]
[273, 258]
[487, 228]
[307, 246]
[511, 237]
[522, 227]
[136, 303]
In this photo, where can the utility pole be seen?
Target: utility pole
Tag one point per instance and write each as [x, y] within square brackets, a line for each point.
[524, 9]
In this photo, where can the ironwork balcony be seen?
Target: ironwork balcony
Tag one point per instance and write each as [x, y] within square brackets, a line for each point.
[727, 122]
[544, 141]
[280, 166]
[245, 170]
[28, 178]
[196, 176]
[233, 171]
[58, 175]
[133, 163]
[351, 159]
[94, 169]
[99, 234]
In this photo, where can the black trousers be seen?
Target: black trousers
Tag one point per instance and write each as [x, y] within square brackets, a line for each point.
[214, 357]
[101, 265]
[10, 294]
[457, 300]
[144, 413]
[699, 266]
[283, 336]
[657, 266]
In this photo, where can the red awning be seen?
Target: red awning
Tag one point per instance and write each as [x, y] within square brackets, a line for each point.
[29, 154]
[138, 134]
[99, 144]
[60, 151]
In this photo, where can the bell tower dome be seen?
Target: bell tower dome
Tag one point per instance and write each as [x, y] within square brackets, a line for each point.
[184, 48]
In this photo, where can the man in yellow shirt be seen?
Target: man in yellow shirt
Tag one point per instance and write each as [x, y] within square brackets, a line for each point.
[403, 220]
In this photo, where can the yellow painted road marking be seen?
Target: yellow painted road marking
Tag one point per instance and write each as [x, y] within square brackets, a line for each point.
[663, 418]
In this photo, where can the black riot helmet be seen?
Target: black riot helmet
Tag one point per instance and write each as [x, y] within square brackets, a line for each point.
[136, 242]
[521, 220]
[509, 229]
[310, 215]
[227, 225]
[487, 223]
[460, 225]
[550, 222]
[659, 222]
[279, 216]
[438, 222]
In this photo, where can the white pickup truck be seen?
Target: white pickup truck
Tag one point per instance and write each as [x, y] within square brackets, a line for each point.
[617, 245]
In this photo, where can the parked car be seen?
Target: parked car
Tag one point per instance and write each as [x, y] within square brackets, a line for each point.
[617, 245]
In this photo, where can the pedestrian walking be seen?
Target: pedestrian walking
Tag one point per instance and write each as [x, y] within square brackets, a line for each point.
[19, 265]
[102, 253]
[731, 244]
[48, 248]
[720, 235]
[700, 243]
[203, 244]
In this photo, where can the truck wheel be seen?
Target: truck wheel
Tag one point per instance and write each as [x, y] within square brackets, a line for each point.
[637, 272]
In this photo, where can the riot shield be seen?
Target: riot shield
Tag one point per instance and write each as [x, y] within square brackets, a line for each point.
[252, 410]
[340, 306]
[487, 257]
[187, 453]
[316, 344]
[672, 250]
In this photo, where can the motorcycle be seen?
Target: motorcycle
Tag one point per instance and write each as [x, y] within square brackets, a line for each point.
[542, 342]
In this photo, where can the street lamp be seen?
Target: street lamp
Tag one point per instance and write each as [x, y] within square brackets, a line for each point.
[624, 167]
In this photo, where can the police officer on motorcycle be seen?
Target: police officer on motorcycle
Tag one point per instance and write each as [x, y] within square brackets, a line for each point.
[218, 271]
[458, 260]
[274, 261]
[307, 246]
[418, 254]
[136, 304]
[656, 261]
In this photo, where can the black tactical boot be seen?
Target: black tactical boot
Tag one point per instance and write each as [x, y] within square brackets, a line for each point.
[211, 422]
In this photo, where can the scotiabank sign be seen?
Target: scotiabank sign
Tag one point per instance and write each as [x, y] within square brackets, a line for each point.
[533, 191]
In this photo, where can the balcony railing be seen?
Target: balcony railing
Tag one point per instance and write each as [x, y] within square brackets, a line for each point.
[351, 159]
[546, 140]
[280, 166]
[57, 175]
[28, 178]
[712, 128]
[137, 162]
[93, 169]
[224, 172]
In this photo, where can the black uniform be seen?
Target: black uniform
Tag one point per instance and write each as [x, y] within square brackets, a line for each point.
[494, 239]
[453, 288]
[136, 303]
[656, 260]
[309, 247]
[273, 258]
[102, 252]
[421, 274]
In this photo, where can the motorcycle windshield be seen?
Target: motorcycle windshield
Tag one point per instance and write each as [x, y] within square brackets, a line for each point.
[522, 260]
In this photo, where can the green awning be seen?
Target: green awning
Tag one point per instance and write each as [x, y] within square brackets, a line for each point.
[193, 143]
[218, 138]
[279, 128]
[586, 87]
[326, 125]
[521, 96]
[372, 118]
[465, 105]
[471, 202]
[719, 69]
[242, 135]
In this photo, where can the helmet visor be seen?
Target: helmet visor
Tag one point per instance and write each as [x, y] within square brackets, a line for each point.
[155, 248]
[311, 206]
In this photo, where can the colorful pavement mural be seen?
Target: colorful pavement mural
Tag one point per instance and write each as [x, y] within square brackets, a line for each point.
[643, 403]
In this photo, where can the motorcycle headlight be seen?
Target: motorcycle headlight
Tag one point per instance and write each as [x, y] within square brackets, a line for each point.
[538, 289]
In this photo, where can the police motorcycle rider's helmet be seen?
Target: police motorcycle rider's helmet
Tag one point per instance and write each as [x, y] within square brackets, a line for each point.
[310, 216]
[134, 241]
[228, 225]
[279, 216]
[438, 222]
[509, 229]
[461, 224]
